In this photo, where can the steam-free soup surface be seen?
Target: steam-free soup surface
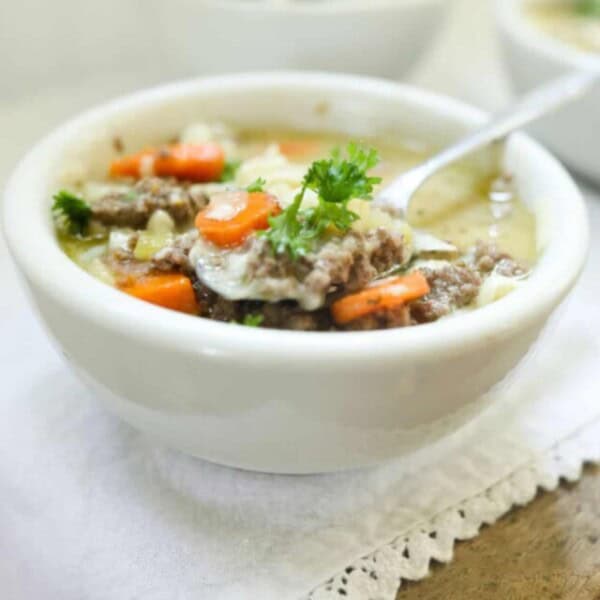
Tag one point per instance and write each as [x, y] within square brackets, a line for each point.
[468, 240]
[467, 202]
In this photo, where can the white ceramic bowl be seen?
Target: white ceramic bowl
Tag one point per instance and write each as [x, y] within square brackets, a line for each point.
[271, 400]
[533, 57]
[375, 37]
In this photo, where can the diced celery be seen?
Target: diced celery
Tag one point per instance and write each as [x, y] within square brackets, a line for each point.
[149, 244]
[160, 222]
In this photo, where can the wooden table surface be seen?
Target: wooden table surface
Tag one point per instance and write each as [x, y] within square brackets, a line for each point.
[549, 549]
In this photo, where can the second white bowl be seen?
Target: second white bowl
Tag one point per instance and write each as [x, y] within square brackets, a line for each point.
[533, 57]
[379, 37]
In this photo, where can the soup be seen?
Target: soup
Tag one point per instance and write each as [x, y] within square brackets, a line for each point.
[574, 22]
[277, 229]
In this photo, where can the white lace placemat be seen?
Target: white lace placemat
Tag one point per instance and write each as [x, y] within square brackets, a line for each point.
[380, 574]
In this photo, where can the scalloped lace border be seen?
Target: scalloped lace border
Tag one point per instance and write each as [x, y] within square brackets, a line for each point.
[379, 575]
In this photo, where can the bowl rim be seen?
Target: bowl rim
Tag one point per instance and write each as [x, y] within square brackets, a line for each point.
[322, 7]
[511, 18]
[107, 307]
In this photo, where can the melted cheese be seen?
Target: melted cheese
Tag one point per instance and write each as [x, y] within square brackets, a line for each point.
[226, 205]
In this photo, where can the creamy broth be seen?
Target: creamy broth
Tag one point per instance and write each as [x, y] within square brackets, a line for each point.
[562, 21]
[467, 241]
[456, 205]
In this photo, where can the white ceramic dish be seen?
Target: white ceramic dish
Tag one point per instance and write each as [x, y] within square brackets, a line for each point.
[158, 40]
[532, 57]
[375, 37]
[270, 400]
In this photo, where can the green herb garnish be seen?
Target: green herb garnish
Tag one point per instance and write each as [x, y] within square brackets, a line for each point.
[589, 8]
[257, 186]
[339, 179]
[71, 212]
[230, 170]
[336, 181]
[251, 320]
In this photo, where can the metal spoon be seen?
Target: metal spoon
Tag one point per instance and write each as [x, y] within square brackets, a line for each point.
[397, 195]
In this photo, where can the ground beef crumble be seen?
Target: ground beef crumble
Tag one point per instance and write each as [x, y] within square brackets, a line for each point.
[452, 286]
[134, 208]
[125, 269]
[340, 266]
[343, 264]
[487, 257]
[175, 256]
[280, 315]
[384, 319]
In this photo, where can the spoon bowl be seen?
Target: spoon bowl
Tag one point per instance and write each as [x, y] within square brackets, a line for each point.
[396, 197]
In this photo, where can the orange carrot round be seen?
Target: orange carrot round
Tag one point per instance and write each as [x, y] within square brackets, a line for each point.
[299, 148]
[172, 290]
[193, 162]
[387, 294]
[249, 212]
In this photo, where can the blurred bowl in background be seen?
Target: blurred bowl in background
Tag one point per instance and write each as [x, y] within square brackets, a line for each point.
[49, 46]
[534, 56]
[374, 37]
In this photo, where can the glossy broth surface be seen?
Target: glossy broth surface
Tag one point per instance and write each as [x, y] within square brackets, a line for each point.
[467, 202]
[564, 22]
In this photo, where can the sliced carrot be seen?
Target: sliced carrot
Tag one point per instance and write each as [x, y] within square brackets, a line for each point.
[251, 212]
[299, 148]
[387, 294]
[193, 162]
[172, 290]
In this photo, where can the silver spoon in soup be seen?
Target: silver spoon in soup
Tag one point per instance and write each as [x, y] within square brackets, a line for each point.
[396, 197]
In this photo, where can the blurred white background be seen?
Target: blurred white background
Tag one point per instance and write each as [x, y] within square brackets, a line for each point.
[65, 55]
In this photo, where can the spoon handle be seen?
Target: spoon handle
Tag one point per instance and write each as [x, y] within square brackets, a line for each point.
[531, 107]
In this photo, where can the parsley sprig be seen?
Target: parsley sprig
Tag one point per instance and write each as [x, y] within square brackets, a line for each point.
[590, 8]
[251, 320]
[258, 185]
[336, 181]
[230, 170]
[71, 212]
